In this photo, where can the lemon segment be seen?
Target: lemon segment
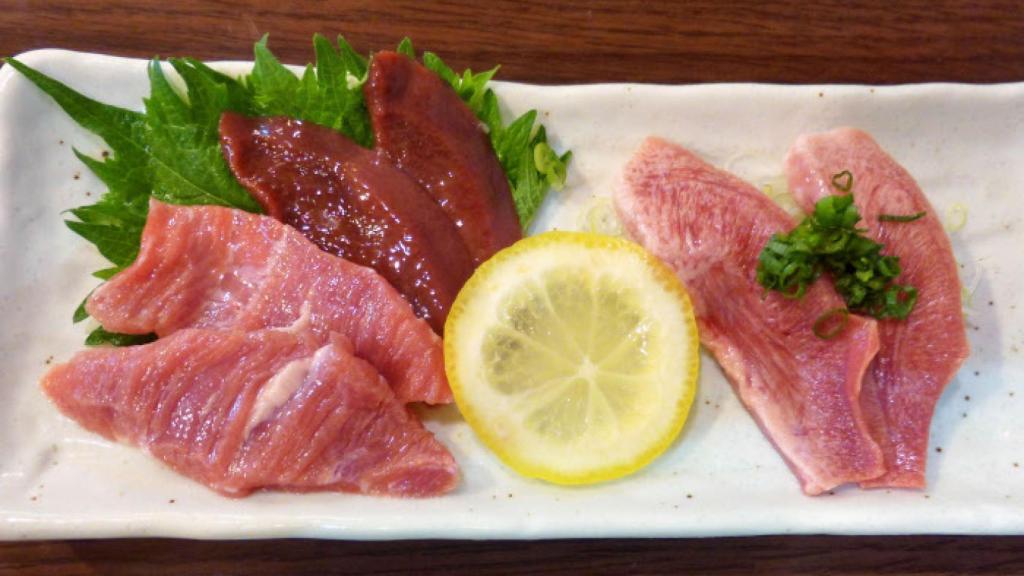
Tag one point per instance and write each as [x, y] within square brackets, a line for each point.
[573, 356]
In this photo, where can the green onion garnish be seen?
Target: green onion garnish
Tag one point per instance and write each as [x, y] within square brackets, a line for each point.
[831, 323]
[900, 218]
[828, 241]
[843, 181]
[899, 301]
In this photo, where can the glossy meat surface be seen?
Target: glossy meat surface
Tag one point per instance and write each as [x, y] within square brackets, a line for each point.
[214, 267]
[921, 354]
[351, 203]
[244, 411]
[422, 126]
[709, 227]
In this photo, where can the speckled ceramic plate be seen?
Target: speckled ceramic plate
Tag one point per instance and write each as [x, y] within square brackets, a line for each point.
[964, 144]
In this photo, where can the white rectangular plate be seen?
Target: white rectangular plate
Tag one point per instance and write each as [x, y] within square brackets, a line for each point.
[964, 144]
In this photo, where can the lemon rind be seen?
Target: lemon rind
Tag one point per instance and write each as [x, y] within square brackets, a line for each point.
[666, 280]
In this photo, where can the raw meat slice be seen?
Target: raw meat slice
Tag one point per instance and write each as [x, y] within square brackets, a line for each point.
[244, 411]
[351, 203]
[709, 227]
[214, 267]
[921, 354]
[420, 123]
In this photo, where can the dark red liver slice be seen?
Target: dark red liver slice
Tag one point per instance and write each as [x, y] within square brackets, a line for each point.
[425, 129]
[352, 203]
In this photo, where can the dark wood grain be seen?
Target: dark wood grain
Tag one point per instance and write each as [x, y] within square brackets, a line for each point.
[726, 556]
[554, 42]
[550, 41]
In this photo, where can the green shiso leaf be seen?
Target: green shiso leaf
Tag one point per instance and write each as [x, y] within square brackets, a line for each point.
[329, 94]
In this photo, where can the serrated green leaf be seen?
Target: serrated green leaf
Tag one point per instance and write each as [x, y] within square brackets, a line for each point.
[528, 189]
[184, 148]
[119, 214]
[355, 63]
[550, 165]
[489, 112]
[80, 313]
[210, 94]
[274, 86]
[128, 182]
[118, 244]
[107, 273]
[173, 154]
[330, 75]
[434, 63]
[329, 94]
[121, 129]
[405, 47]
[512, 140]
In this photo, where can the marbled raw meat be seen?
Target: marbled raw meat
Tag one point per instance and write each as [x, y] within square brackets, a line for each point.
[919, 355]
[710, 227]
[244, 411]
[214, 267]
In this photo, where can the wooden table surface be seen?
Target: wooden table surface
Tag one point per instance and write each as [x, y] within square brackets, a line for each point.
[555, 42]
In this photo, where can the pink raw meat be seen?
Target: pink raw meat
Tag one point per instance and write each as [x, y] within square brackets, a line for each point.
[920, 355]
[709, 227]
[214, 267]
[243, 411]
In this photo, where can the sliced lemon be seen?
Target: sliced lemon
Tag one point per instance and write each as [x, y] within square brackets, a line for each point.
[573, 356]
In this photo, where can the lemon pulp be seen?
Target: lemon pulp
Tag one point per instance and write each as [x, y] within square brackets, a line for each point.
[573, 356]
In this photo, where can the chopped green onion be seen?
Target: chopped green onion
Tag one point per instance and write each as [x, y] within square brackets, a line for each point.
[829, 241]
[956, 217]
[966, 296]
[889, 266]
[778, 190]
[843, 181]
[100, 337]
[899, 301]
[550, 165]
[600, 218]
[898, 218]
[831, 323]
[795, 294]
